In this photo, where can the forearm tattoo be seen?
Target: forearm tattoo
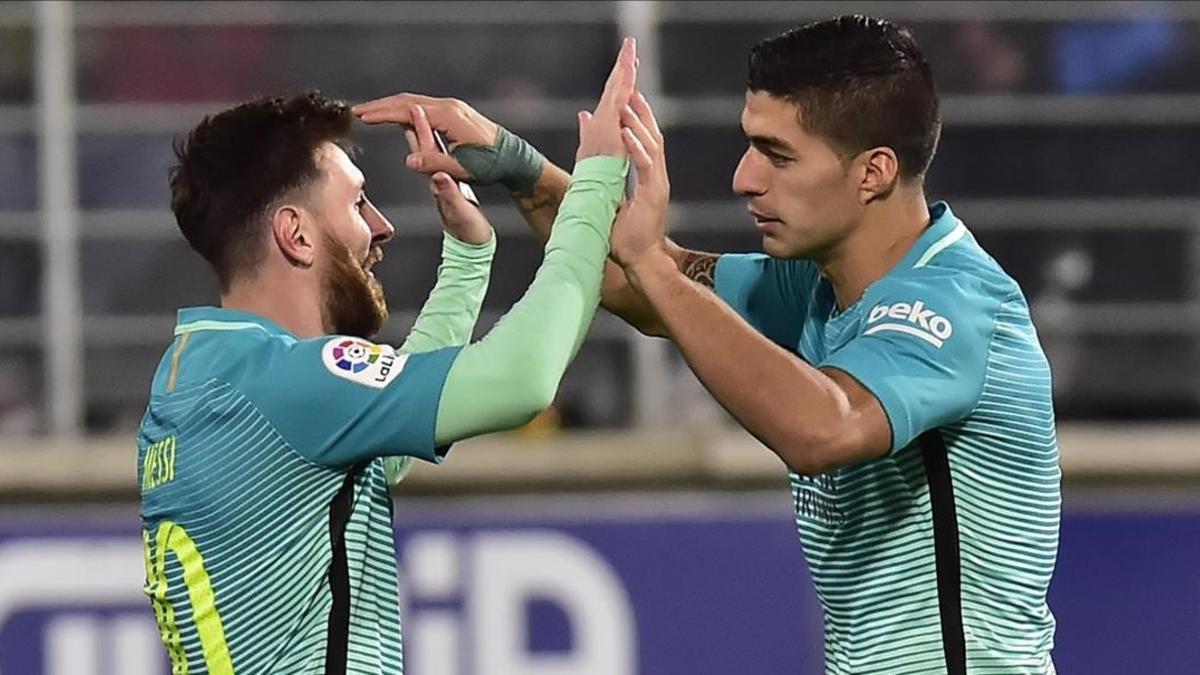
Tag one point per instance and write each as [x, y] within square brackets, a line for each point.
[700, 267]
[541, 199]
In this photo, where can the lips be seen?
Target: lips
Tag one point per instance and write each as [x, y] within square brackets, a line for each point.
[764, 223]
[373, 257]
[762, 218]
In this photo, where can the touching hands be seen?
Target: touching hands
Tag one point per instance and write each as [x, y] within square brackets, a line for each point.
[641, 227]
[462, 219]
[600, 131]
[480, 151]
[462, 125]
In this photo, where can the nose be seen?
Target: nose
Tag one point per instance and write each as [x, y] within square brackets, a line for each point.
[749, 180]
[381, 228]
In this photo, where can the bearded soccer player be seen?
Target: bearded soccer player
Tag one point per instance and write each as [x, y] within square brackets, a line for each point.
[275, 428]
[875, 347]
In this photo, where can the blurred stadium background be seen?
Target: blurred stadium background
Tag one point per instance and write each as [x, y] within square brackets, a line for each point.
[632, 528]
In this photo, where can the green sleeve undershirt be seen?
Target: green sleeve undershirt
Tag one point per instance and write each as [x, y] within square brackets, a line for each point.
[508, 377]
[448, 316]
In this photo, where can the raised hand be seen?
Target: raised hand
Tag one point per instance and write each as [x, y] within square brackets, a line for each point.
[460, 217]
[480, 150]
[462, 125]
[641, 225]
[600, 131]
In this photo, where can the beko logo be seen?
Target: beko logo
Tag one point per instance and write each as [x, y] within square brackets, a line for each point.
[912, 319]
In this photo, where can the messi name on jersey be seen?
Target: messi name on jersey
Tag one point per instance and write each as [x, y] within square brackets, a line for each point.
[158, 466]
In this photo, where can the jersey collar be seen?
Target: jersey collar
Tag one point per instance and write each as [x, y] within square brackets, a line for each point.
[944, 229]
[218, 318]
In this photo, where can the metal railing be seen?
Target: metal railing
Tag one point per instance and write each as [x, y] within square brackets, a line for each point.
[57, 118]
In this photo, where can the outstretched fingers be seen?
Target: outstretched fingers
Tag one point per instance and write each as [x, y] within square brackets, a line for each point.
[646, 114]
[631, 121]
[645, 150]
[396, 109]
[621, 81]
[638, 153]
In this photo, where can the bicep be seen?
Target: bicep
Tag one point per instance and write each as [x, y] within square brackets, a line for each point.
[926, 372]
[868, 435]
[491, 387]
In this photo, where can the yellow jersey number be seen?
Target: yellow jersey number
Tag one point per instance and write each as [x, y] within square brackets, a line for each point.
[171, 537]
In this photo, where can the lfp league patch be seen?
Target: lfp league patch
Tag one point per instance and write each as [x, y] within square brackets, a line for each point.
[362, 362]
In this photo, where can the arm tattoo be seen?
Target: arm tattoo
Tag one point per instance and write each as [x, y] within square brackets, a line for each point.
[700, 267]
[539, 200]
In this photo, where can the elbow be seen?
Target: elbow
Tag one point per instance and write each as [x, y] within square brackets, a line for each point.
[536, 401]
[650, 328]
[646, 323]
[530, 391]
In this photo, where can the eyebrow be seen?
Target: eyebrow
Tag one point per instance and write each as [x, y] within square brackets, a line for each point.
[772, 143]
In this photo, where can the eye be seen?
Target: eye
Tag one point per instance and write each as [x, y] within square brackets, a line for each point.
[360, 202]
[778, 160]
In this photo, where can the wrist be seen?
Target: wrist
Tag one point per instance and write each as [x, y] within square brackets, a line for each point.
[469, 248]
[510, 161]
[520, 162]
[650, 268]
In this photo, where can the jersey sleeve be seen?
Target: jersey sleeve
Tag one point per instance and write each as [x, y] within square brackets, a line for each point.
[341, 400]
[922, 350]
[766, 292]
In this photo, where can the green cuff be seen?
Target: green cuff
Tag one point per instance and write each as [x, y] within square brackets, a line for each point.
[601, 167]
[454, 248]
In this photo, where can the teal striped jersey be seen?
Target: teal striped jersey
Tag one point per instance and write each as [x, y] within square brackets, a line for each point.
[264, 494]
[936, 558]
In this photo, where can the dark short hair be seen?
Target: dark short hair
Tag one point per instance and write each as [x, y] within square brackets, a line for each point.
[859, 83]
[235, 165]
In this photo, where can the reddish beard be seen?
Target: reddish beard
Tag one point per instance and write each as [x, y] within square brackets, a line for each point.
[353, 299]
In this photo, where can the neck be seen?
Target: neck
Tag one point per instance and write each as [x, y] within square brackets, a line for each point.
[888, 230]
[294, 305]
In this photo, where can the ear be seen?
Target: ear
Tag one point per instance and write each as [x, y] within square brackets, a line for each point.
[290, 230]
[880, 174]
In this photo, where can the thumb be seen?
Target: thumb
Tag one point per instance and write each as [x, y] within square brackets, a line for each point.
[585, 120]
[433, 162]
[442, 185]
[450, 199]
[460, 217]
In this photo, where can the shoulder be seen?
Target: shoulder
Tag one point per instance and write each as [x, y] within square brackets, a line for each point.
[762, 261]
[254, 360]
[225, 355]
[324, 360]
[360, 361]
[962, 273]
[749, 269]
[939, 303]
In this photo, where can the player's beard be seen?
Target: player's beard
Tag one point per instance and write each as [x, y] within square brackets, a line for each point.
[353, 299]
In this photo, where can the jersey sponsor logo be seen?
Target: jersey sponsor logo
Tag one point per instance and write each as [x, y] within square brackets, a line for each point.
[816, 498]
[911, 319]
[362, 362]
